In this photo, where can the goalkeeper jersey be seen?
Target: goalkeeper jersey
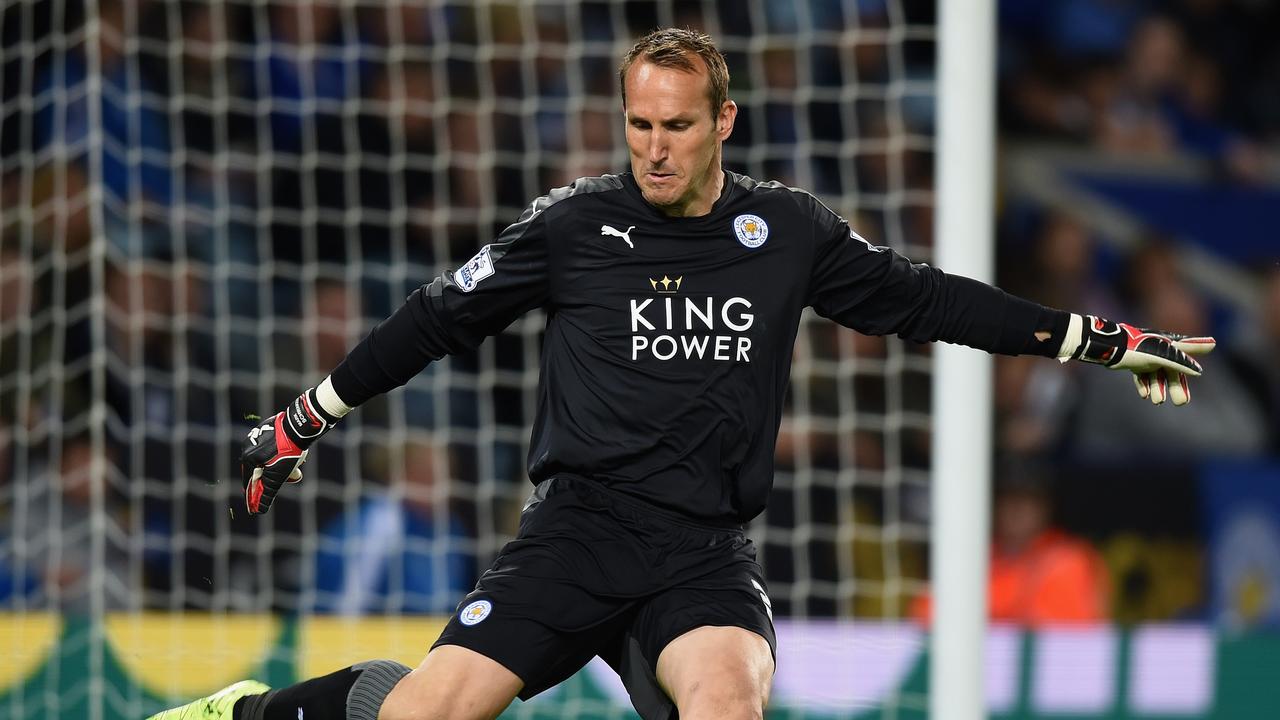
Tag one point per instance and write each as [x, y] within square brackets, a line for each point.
[669, 339]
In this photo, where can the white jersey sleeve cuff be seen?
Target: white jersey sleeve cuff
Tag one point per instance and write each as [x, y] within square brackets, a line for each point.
[1071, 341]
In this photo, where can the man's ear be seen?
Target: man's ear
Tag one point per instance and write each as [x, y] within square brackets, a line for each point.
[724, 120]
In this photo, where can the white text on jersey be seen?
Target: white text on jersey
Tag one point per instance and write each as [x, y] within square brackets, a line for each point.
[682, 338]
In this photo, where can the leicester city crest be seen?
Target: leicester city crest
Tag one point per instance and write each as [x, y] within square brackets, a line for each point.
[475, 612]
[751, 230]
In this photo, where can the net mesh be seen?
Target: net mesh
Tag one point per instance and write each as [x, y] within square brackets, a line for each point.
[206, 204]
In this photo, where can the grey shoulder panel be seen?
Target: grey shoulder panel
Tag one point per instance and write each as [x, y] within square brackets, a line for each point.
[578, 188]
[802, 198]
[557, 198]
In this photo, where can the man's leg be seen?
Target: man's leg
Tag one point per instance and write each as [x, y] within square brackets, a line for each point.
[717, 672]
[702, 649]
[452, 683]
[352, 693]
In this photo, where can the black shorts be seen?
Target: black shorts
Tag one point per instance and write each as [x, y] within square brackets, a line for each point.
[593, 572]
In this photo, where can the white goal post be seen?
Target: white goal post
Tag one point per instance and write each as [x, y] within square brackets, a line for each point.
[962, 378]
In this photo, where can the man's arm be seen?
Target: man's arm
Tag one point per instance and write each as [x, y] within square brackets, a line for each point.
[452, 314]
[876, 291]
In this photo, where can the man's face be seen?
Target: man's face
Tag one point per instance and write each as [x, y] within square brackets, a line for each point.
[673, 137]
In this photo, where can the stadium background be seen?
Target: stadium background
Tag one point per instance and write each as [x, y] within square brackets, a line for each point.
[203, 206]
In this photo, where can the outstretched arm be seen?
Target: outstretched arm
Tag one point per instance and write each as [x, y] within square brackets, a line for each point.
[453, 313]
[877, 291]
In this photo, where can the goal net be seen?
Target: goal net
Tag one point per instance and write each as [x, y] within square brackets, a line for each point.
[204, 205]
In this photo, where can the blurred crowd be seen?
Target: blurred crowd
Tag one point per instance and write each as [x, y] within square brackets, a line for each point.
[1139, 81]
[276, 177]
[1147, 78]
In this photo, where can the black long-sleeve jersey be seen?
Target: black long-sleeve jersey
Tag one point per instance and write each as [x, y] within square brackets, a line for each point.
[669, 339]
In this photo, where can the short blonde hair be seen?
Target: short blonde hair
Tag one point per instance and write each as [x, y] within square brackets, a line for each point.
[676, 48]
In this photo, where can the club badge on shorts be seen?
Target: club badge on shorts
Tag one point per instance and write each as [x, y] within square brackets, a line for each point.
[475, 612]
[751, 230]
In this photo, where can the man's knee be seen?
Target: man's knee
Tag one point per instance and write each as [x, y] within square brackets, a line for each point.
[452, 683]
[731, 698]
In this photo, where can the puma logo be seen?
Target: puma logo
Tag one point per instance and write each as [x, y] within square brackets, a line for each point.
[606, 230]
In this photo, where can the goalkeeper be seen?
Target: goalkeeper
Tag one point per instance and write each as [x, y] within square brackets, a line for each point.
[673, 295]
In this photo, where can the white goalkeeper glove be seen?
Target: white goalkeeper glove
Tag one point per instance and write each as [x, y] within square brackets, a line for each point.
[1160, 361]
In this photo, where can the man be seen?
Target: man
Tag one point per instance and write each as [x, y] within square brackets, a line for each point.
[673, 295]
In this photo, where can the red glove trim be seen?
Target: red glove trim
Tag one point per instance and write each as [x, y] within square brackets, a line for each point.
[285, 446]
[253, 496]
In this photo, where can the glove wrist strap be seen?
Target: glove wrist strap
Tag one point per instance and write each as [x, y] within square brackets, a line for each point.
[306, 420]
[1100, 341]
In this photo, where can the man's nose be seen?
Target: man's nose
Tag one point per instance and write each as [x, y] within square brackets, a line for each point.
[657, 147]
